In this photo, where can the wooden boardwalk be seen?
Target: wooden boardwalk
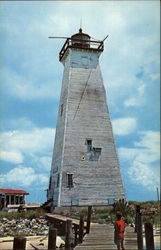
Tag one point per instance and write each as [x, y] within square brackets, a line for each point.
[101, 238]
[61, 218]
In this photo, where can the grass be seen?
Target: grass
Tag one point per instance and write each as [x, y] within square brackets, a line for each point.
[108, 214]
[30, 214]
[99, 215]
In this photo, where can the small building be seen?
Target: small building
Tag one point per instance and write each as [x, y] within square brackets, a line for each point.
[11, 197]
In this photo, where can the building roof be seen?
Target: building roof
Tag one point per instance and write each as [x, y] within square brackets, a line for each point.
[13, 191]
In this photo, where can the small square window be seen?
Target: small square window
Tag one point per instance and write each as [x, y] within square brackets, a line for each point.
[89, 144]
[96, 152]
[69, 180]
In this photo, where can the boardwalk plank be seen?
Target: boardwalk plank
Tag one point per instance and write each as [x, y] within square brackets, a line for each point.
[101, 237]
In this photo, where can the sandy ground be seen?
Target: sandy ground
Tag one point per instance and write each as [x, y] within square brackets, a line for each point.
[33, 242]
[41, 242]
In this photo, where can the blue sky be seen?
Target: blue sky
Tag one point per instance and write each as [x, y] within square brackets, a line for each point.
[31, 77]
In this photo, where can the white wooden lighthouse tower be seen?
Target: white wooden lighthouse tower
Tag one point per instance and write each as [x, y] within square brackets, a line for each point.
[85, 168]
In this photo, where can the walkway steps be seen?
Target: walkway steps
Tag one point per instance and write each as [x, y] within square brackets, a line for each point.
[101, 237]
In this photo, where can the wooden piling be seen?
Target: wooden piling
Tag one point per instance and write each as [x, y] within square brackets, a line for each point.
[149, 236]
[137, 211]
[19, 243]
[52, 238]
[81, 229]
[76, 235]
[89, 219]
[68, 240]
[139, 232]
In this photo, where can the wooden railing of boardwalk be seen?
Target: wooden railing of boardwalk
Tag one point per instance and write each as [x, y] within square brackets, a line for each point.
[89, 236]
[101, 237]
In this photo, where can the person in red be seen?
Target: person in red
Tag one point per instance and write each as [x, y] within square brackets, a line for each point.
[119, 231]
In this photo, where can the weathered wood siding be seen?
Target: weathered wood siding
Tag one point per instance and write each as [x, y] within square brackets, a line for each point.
[85, 116]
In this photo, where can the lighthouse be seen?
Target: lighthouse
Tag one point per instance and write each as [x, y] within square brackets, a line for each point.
[85, 168]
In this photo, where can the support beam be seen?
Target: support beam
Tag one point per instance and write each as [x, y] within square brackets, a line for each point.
[68, 240]
[76, 235]
[89, 219]
[139, 232]
[14, 200]
[149, 237]
[137, 211]
[81, 229]
[52, 238]
[19, 243]
[9, 200]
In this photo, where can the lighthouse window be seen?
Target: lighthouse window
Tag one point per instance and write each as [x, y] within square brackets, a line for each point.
[69, 180]
[95, 154]
[89, 144]
[61, 110]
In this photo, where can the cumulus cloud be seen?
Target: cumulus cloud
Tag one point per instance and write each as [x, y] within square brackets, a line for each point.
[137, 99]
[28, 141]
[149, 139]
[33, 72]
[142, 160]
[36, 143]
[11, 156]
[23, 123]
[43, 162]
[22, 87]
[24, 176]
[126, 34]
[32, 146]
[144, 175]
[131, 102]
[124, 126]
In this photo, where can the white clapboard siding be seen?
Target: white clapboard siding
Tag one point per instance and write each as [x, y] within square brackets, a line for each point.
[84, 116]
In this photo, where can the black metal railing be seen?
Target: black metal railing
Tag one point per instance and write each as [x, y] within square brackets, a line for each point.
[83, 44]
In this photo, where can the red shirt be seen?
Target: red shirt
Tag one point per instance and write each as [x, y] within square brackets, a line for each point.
[120, 228]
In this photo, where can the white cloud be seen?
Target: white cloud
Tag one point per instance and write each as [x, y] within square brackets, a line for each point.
[127, 153]
[28, 141]
[142, 161]
[22, 123]
[24, 176]
[124, 126]
[18, 144]
[142, 174]
[137, 99]
[133, 43]
[130, 39]
[131, 102]
[150, 140]
[43, 161]
[141, 89]
[24, 88]
[11, 156]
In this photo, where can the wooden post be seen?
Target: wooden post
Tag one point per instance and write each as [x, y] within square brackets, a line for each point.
[19, 243]
[68, 240]
[81, 229]
[149, 237]
[52, 238]
[137, 211]
[76, 235]
[89, 219]
[139, 232]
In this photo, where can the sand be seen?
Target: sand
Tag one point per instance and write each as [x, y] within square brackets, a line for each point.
[40, 242]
